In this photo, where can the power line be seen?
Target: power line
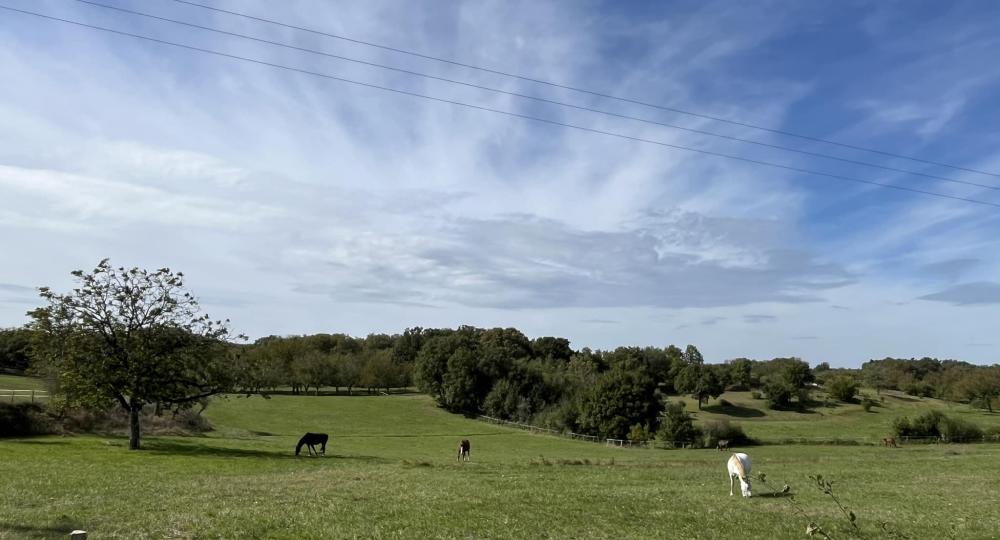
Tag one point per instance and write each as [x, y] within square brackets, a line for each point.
[506, 113]
[540, 99]
[590, 92]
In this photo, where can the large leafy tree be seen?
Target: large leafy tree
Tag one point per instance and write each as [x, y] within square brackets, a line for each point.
[700, 381]
[982, 387]
[620, 397]
[132, 337]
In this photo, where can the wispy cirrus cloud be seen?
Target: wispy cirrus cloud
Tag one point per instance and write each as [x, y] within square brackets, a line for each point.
[296, 204]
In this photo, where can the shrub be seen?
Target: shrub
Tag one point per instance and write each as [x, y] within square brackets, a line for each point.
[958, 430]
[723, 430]
[725, 403]
[867, 403]
[755, 394]
[640, 432]
[23, 419]
[677, 427]
[919, 389]
[842, 388]
[937, 424]
[779, 394]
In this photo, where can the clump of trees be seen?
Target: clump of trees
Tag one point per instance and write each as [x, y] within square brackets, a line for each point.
[305, 364]
[938, 425]
[929, 377]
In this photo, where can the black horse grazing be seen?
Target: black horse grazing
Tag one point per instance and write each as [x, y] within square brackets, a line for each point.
[310, 440]
[464, 448]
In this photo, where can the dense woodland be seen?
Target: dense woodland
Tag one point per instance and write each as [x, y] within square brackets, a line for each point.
[543, 381]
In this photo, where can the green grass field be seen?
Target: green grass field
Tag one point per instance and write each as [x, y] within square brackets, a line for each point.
[391, 472]
[14, 382]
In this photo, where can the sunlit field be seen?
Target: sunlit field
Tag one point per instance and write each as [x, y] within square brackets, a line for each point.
[391, 472]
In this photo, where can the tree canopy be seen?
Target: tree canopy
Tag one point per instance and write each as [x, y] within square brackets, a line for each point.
[132, 337]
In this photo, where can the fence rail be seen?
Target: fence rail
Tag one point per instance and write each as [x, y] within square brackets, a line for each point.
[10, 395]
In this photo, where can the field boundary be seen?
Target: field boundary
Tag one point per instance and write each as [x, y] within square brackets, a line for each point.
[10, 395]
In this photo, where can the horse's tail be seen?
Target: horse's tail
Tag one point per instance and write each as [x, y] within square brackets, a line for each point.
[302, 442]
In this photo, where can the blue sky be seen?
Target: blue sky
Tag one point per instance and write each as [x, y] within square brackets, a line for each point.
[296, 204]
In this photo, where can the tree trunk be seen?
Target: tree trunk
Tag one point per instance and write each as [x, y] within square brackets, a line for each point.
[133, 424]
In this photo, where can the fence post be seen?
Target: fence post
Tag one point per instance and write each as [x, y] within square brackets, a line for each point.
[32, 396]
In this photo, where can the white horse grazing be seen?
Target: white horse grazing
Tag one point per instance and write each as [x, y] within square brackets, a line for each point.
[739, 467]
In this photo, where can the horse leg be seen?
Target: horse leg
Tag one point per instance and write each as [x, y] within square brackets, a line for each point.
[732, 484]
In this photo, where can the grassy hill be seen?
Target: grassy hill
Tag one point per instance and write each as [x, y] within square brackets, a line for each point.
[391, 472]
[835, 420]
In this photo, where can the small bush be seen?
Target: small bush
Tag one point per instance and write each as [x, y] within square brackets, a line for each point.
[723, 430]
[24, 419]
[639, 433]
[842, 388]
[919, 389]
[958, 430]
[938, 424]
[677, 426]
[867, 403]
[755, 394]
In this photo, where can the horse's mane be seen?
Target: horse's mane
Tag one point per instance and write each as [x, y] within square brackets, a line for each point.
[739, 466]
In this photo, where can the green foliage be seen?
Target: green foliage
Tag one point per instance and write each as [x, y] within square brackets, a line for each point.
[640, 433]
[842, 388]
[779, 394]
[700, 381]
[620, 397]
[15, 349]
[677, 427]
[714, 431]
[24, 419]
[756, 395]
[939, 425]
[132, 337]
[741, 373]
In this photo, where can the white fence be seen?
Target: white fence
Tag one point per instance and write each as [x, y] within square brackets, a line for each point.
[11, 396]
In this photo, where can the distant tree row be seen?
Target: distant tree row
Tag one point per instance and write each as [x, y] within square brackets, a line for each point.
[929, 377]
[308, 363]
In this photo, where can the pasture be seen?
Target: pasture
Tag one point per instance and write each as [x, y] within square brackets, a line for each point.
[391, 472]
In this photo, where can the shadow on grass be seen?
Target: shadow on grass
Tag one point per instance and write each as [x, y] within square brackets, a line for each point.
[60, 529]
[175, 448]
[774, 495]
[734, 410]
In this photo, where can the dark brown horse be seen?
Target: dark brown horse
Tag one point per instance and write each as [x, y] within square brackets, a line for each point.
[464, 449]
[723, 444]
[310, 440]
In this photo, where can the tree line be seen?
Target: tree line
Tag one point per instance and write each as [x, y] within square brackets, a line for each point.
[134, 338]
